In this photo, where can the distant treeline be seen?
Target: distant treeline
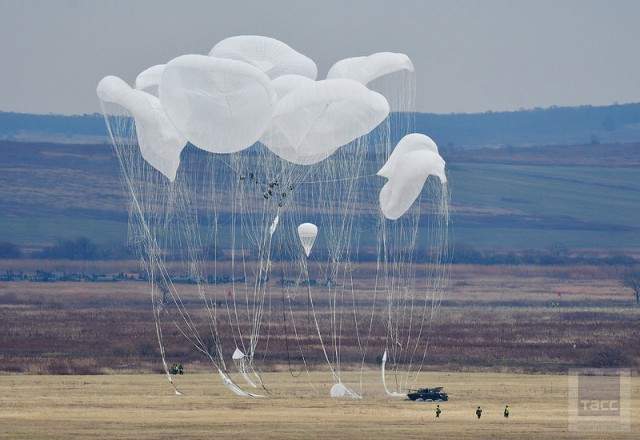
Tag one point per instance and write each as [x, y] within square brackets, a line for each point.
[554, 256]
[83, 248]
[550, 126]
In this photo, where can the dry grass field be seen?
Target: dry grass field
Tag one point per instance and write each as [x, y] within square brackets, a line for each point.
[79, 360]
[145, 407]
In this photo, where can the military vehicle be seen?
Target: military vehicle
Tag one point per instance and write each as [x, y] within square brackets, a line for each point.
[428, 395]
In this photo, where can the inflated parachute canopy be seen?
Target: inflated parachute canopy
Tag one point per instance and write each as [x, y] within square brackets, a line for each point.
[272, 56]
[307, 233]
[220, 105]
[409, 143]
[285, 84]
[159, 140]
[414, 159]
[366, 69]
[316, 118]
[149, 80]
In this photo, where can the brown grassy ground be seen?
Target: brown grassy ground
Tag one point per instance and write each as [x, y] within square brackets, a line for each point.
[145, 407]
[494, 323]
[496, 318]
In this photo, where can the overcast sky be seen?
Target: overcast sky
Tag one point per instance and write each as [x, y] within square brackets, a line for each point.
[470, 55]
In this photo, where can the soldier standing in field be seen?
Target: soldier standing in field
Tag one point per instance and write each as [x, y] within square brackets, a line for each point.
[506, 411]
[479, 412]
[438, 410]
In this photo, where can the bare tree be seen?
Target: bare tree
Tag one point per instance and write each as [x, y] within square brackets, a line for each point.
[631, 280]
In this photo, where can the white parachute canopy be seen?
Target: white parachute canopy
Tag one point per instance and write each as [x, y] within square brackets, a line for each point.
[414, 159]
[220, 105]
[307, 233]
[272, 56]
[339, 390]
[315, 119]
[409, 143]
[149, 80]
[238, 354]
[285, 84]
[159, 140]
[366, 69]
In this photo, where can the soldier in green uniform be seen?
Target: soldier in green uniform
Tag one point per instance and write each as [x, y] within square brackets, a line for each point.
[438, 410]
[479, 412]
[506, 411]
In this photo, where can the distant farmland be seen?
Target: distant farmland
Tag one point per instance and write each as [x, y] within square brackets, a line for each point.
[525, 198]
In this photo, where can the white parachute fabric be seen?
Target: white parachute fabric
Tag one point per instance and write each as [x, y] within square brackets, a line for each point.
[239, 360]
[159, 140]
[307, 233]
[220, 241]
[409, 143]
[285, 84]
[411, 163]
[367, 69]
[384, 378]
[272, 56]
[149, 79]
[312, 121]
[219, 105]
[229, 383]
[274, 225]
[340, 390]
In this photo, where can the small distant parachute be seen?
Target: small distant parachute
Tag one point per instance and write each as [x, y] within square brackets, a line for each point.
[220, 105]
[307, 233]
[272, 56]
[367, 69]
[159, 140]
[414, 159]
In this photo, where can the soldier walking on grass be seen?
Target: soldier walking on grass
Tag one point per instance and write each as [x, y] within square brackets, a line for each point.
[479, 412]
[438, 410]
[506, 411]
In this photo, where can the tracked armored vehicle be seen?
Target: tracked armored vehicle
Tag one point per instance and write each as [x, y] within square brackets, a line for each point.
[428, 395]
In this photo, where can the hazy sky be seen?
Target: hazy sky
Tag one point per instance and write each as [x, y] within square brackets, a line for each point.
[470, 55]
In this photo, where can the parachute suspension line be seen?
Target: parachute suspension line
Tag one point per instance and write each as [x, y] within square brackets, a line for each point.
[232, 312]
[441, 263]
[284, 319]
[304, 361]
[345, 179]
[138, 213]
[315, 321]
[155, 259]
